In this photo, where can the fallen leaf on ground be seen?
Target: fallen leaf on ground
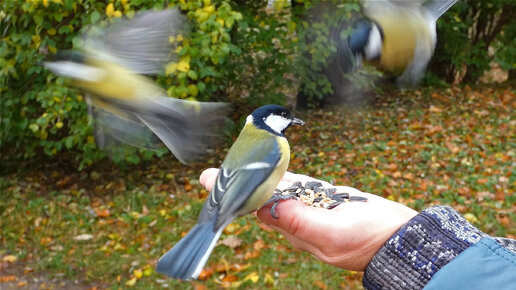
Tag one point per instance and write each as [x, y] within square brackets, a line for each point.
[83, 237]
[7, 278]
[9, 258]
[231, 242]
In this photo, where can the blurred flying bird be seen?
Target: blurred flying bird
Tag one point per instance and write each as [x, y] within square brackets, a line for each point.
[247, 178]
[126, 105]
[399, 37]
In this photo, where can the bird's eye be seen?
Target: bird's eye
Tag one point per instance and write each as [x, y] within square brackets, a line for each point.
[284, 114]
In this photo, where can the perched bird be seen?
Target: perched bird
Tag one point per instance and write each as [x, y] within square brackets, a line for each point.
[247, 178]
[126, 105]
[398, 36]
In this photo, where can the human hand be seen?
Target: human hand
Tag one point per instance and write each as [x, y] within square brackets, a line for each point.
[347, 236]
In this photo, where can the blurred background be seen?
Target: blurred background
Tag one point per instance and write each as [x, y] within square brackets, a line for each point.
[75, 216]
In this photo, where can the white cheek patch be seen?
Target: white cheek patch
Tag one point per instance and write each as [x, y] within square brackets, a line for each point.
[373, 48]
[249, 119]
[75, 70]
[277, 123]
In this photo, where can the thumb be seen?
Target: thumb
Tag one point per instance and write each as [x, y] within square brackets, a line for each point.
[296, 218]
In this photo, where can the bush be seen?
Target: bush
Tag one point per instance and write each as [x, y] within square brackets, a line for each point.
[470, 36]
[40, 113]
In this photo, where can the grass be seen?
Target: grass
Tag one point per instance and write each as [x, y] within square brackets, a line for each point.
[108, 226]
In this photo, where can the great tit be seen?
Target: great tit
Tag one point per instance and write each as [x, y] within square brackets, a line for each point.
[124, 103]
[399, 37]
[247, 178]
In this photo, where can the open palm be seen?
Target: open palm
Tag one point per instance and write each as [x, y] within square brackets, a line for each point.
[347, 236]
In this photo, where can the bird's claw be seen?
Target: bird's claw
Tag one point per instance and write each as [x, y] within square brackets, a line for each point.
[275, 199]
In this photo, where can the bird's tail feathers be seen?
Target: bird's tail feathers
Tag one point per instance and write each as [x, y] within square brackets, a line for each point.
[187, 258]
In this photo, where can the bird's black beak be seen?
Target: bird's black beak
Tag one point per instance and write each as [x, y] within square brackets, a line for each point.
[297, 121]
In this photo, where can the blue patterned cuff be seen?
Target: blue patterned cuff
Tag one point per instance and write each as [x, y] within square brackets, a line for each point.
[419, 249]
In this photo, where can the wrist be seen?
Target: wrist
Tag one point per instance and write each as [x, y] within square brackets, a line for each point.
[420, 248]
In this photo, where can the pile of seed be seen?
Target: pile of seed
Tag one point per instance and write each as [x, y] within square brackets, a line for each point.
[313, 194]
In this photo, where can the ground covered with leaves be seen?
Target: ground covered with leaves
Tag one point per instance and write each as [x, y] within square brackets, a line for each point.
[106, 226]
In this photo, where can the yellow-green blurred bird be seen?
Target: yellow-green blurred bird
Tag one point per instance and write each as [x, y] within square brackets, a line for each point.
[124, 103]
[247, 178]
[398, 36]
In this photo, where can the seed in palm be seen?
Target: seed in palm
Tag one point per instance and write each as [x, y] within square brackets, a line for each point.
[313, 194]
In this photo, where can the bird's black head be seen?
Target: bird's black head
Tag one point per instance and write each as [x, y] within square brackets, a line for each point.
[273, 118]
[366, 40]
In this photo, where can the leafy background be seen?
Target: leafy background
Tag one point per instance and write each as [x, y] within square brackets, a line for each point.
[68, 213]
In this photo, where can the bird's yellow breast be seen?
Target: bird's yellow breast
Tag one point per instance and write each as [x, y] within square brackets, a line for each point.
[265, 190]
[118, 82]
[401, 31]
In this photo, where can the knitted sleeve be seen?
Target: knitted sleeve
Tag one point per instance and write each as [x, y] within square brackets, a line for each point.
[422, 247]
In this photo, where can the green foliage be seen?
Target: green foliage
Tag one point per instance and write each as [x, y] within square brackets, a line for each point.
[41, 113]
[201, 70]
[468, 34]
[322, 25]
[506, 47]
[232, 52]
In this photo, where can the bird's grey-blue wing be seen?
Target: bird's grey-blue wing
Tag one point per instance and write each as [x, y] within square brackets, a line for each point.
[233, 187]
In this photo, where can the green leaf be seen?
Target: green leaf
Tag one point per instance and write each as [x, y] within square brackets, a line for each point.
[38, 19]
[192, 75]
[201, 86]
[34, 127]
[94, 17]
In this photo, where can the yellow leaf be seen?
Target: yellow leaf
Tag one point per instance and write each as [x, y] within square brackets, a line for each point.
[123, 2]
[135, 214]
[220, 21]
[470, 217]
[138, 273]
[131, 282]
[45, 3]
[171, 39]
[171, 68]
[184, 65]
[9, 259]
[36, 39]
[179, 37]
[193, 89]
[147, 272]
[51, 31]
[117, 14]
[254, 277]
[59, 125]
[110, 10]
[209, 9]
[269, 279]
[90, 139]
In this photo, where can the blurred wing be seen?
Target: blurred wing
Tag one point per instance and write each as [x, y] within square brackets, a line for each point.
[234, 187]
[188, 129]
[140, 44]
[439, 7]
[124, 127]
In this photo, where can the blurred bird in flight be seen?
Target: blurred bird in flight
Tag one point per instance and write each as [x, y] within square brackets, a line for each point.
[399, 37]
[128, 106]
